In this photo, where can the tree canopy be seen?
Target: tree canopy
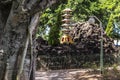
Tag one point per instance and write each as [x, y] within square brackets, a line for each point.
[112, 8]
[108, 11]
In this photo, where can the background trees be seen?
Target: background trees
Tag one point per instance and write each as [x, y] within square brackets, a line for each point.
[112, 8]
[51, 20]
[108, 11]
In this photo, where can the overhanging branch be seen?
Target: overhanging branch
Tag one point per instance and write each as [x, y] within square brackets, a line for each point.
[5, 1]
[34, 6]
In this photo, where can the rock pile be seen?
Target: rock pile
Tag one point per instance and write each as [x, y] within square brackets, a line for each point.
[83, 53]
[88, 37]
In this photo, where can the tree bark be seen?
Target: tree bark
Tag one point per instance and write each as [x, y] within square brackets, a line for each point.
[16, 17]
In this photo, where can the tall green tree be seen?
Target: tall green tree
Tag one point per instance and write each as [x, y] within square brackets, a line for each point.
[53, 37]
[52, 18]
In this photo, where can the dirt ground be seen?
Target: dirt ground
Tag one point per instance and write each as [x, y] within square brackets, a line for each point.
[111, 73]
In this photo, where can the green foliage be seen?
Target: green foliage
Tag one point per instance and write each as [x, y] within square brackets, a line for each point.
[48, 19]
[82, 9]
[55, 29]
[51, 18]
[107, 11]
[110, 26]
[112, 8]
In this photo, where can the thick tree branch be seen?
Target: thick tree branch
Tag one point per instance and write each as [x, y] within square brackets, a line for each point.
[34, 6]
[31, 28]
[5, 1]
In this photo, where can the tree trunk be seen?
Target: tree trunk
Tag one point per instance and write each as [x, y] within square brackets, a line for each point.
[18, 20]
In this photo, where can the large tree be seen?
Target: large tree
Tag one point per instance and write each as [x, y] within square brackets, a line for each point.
[18, 21]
